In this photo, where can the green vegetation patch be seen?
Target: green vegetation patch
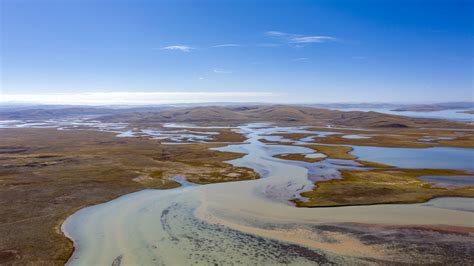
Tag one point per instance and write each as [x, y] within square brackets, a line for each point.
[298, 157]
[381, 186]
[373, 164]
[334, 152]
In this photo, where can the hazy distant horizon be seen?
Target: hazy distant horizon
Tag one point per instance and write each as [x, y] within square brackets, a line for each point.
[179, 98]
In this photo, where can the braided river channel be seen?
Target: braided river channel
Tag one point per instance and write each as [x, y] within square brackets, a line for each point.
[254, 222]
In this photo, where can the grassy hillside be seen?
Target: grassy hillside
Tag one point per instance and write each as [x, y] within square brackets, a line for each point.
[285, 114]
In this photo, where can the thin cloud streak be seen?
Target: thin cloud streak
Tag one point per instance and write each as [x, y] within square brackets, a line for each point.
[273, 33]
[221, 71]
[227, 45]
[135, 98]
[182, 48]
[313, 39]
[291, 38]
[300, 59]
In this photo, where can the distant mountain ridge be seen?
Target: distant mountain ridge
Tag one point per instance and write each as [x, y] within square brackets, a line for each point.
[435, 107]
[283, 114]
[55, 112]
[234, 114]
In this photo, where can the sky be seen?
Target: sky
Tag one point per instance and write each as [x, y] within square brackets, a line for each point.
[151, 52]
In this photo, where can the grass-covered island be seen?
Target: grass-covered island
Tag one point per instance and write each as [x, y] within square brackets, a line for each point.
[381, 186]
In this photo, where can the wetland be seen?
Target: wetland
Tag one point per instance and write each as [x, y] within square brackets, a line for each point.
[105, 192]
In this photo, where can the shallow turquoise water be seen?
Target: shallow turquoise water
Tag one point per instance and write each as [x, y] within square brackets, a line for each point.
[450, 181]
[435, 158]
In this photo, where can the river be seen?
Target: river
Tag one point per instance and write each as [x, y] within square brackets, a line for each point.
[248, 222]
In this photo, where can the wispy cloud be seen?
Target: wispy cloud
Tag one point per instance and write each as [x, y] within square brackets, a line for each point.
[273, 33]
[312, 39]
[221, 71]
[299, 39]
[300, 59]
[182, 48]
[227, 45]
[136, 98]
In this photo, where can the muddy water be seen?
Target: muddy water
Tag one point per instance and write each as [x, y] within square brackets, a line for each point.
[250, 222]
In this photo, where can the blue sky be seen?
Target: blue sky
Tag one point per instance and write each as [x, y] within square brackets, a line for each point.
[271, 51]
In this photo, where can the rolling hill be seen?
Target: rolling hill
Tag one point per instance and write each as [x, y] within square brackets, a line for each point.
[282, 114]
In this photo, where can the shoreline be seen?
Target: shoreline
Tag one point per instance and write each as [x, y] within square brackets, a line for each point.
[385, 203]
[200, 214]
[60, 229]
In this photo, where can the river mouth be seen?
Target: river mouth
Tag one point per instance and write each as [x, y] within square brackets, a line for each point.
[253, 222]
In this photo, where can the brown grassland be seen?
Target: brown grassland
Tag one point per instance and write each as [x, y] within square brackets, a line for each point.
[298, 157]
[331, 152]
[399, 138]
[48, 174]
